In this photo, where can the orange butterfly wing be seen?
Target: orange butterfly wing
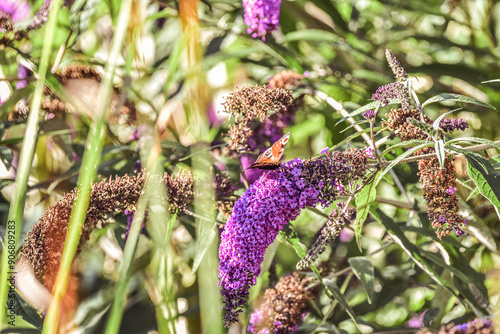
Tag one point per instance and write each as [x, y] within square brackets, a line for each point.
[270, 159]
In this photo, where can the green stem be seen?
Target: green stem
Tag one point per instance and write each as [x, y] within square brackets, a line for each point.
[25, 162]
[90, 162]
[116, 314]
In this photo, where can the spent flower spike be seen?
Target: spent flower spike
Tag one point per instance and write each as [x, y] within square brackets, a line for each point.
[275, 199]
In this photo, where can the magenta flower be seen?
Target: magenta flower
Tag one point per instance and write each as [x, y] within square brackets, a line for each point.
[17, 10]
[369, 114]
[452, 124]
[276, 198]
[262, 17]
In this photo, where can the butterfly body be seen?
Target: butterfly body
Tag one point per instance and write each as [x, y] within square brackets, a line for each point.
[270, 159]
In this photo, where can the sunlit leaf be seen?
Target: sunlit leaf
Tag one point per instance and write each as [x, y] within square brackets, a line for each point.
[447, 97]
[363, 269]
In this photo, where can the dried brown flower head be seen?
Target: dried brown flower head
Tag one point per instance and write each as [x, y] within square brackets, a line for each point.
[439, 184]
[249, 104]
[286, 80]
[284, 309]
[44, 244]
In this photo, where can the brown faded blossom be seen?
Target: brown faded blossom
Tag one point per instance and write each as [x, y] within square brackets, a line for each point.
[439, 184]
[249, 104]
[284, 308]
[44, 244]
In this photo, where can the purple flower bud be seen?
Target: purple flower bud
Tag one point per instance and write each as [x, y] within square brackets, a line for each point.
[323, 151]
[369, 114]
[450, 125]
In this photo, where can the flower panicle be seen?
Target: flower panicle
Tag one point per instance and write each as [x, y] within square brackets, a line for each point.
[251, 103]
[284, 308]
[439, 184]
[397, 69]
[276, 198]
[394, 90]
[452, 124]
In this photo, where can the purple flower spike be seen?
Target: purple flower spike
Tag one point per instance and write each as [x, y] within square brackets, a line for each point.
[262, 17]
[275, 199]
[450, 125]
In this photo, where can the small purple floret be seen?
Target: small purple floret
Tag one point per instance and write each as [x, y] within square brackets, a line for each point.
[450, 190]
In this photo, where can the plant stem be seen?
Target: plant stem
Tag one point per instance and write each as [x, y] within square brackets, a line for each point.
[90, 163]
[25, 161]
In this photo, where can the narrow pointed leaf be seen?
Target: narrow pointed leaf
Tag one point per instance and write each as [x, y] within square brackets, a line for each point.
[335, 291]
[363, 269]
[456, 98]
[439, 147]
[363, 201]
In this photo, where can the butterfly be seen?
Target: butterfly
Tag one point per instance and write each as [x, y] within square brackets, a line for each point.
[270, 159]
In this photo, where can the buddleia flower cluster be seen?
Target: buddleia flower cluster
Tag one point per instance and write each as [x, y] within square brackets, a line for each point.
[250, 104]
[284, 308]
[44, 244]
[439, 184]
[262, 17]
[275, 199]
[271, 128]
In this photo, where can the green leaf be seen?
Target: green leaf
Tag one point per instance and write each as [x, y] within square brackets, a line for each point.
[439, 147]
[483, 174]
[311, 35]
[411, 250]
[482, 232]
[205, 236]
[299, 247]
[474, 140]
[456, 98]
[364, 198]
[328, 7]
[335, 291]
[363, 269]
[80, 14]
